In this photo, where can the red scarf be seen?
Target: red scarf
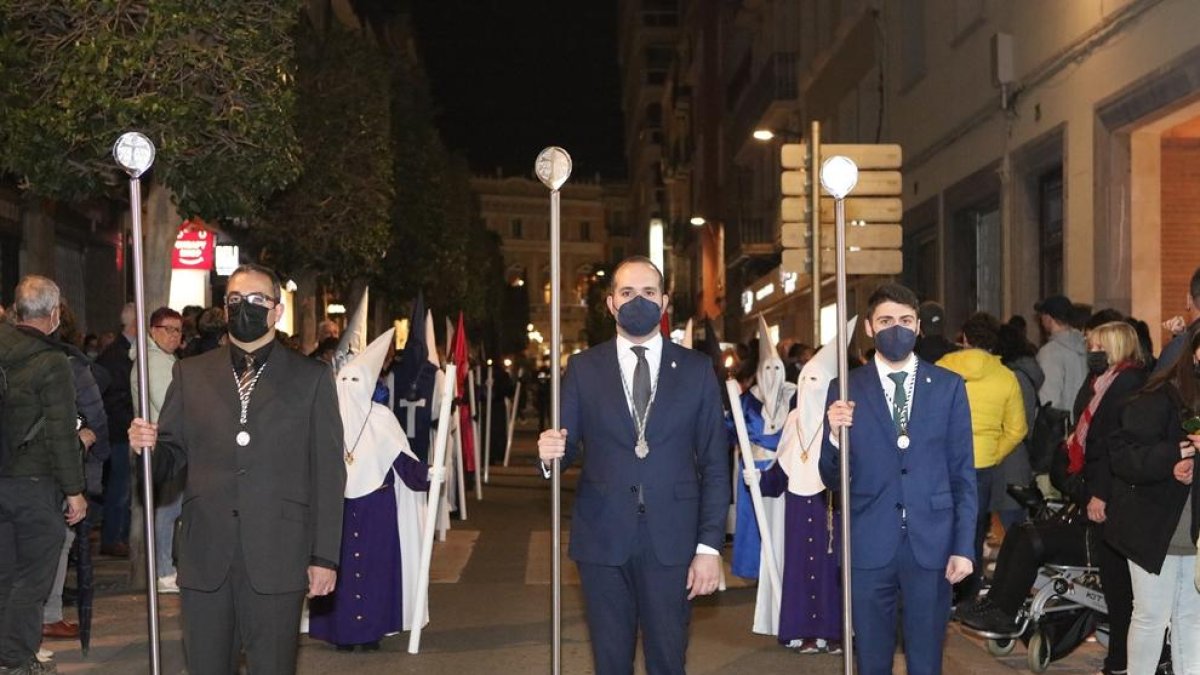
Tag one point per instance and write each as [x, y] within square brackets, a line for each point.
[1077, 441]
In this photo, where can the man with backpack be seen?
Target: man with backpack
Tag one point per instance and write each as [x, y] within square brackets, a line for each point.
[40, 462]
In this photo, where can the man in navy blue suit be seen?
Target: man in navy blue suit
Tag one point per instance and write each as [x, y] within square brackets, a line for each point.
[650, 506]
[912, 489]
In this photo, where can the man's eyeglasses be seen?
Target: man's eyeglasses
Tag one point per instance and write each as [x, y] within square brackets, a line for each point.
[257, 299]
[173, 330]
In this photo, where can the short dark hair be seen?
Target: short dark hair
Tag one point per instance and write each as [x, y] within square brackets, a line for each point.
[156, 318]
[254, 268]
[1102, 317]
[982, 331]
[638, 259]
[891, 292]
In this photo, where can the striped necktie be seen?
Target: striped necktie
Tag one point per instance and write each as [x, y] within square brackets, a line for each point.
[246, 378]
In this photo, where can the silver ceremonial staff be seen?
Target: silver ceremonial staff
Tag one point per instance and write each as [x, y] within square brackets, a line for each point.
[839, 175]
[553, 168]
[135, 154]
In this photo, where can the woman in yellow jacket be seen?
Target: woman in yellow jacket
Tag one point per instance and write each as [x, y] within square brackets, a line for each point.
[997, 417]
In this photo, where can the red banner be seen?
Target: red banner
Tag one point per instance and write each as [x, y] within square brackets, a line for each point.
[194, 247]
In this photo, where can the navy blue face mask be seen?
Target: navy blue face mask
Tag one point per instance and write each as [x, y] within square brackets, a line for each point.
[639, 316]
[895, 343]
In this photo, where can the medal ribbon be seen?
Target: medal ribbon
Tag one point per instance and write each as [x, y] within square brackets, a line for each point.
[639, 420]
[245, 386]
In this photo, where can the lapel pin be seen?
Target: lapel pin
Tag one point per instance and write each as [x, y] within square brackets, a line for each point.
[672, 364]
[928, 380]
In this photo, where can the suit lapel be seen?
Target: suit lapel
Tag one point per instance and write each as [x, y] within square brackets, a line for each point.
[610, 375]
[878, 402]
[268, 384]
[668, 383]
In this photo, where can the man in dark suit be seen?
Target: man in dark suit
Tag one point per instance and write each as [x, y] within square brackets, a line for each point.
[912, 489]
[257, 428]
[649, 514]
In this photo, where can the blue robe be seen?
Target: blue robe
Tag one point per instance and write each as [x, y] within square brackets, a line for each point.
[747, 542]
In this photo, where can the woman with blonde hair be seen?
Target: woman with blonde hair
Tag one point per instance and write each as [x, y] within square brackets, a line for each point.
[1153, 519]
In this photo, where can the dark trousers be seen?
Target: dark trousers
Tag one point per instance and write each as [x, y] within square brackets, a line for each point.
[1027, 547]
[925, 595]
[31, 539]
[115, 529]
[640, 592]
[219, 625]
[968, 588]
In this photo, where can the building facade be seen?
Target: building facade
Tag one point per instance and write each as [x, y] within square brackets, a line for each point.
[1048, 147]
[518, 209]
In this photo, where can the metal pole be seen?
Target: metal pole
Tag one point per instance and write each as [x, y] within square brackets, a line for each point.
[555, 400]
[487, 428]
[553, 167]
[814, 149]
[135, 154]
[844, 437]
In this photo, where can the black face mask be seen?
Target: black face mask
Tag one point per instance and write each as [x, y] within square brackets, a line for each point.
[1097, 362]
[247, 322]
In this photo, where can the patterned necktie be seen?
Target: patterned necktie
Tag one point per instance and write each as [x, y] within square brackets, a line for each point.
[900, 401]
[641, 383]
[246, 378]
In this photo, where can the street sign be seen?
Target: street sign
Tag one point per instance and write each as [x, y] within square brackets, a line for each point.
[795, 235]
[881, 261]
[795, 261]
[878, 184]
[867, 209]
[868, 157]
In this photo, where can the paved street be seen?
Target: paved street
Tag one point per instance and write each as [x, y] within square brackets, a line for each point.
[490, 611]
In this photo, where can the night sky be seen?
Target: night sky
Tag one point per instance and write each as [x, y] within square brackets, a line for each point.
[510, 77]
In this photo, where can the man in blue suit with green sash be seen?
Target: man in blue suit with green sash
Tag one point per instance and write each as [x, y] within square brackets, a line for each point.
[912, 489]
[649, 516]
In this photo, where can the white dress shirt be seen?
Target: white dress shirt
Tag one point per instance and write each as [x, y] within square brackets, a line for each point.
[627, 359]
[889, 387]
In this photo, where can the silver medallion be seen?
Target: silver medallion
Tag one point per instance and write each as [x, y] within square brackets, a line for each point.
[243, 438]
[642, 448]
[902, 442]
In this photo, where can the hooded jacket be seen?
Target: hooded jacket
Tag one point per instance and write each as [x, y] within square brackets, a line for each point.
[1063, 360]
[997, 409]
[40, 387]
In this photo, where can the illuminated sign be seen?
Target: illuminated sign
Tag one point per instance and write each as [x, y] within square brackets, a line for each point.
[193, 247]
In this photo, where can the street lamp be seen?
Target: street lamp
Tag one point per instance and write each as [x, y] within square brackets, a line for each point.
[764, 134]
[698, 221]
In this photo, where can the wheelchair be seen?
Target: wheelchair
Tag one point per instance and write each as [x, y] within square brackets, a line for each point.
[1065, 607]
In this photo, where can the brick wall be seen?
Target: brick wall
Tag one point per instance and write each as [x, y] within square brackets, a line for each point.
[1180, 220]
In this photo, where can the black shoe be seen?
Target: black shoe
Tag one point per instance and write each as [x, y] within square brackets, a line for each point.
[989, 619]
[972, 611]
[371, 646]
[345, 648]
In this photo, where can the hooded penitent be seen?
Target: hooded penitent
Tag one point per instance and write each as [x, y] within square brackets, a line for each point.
[800, 447]
[373, 441]
[354, 338]
[772, 387]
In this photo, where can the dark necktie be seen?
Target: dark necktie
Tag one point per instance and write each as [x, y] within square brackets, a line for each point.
[900, 401]
[246, 377]
[641, 383]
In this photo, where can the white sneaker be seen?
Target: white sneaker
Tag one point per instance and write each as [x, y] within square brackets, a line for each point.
[168, 585]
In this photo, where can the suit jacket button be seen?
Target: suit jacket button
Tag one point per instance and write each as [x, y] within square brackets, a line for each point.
[241, 472]
[899, 506]
[903, 472]
[235, 513]
[641, 508]
[633, 488]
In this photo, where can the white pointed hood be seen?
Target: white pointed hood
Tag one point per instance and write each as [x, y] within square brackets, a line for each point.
[805, 427]
[354, 338]
[772, 387]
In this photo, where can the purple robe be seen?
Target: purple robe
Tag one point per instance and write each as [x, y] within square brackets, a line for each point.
[811, 602]
[367, 602]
